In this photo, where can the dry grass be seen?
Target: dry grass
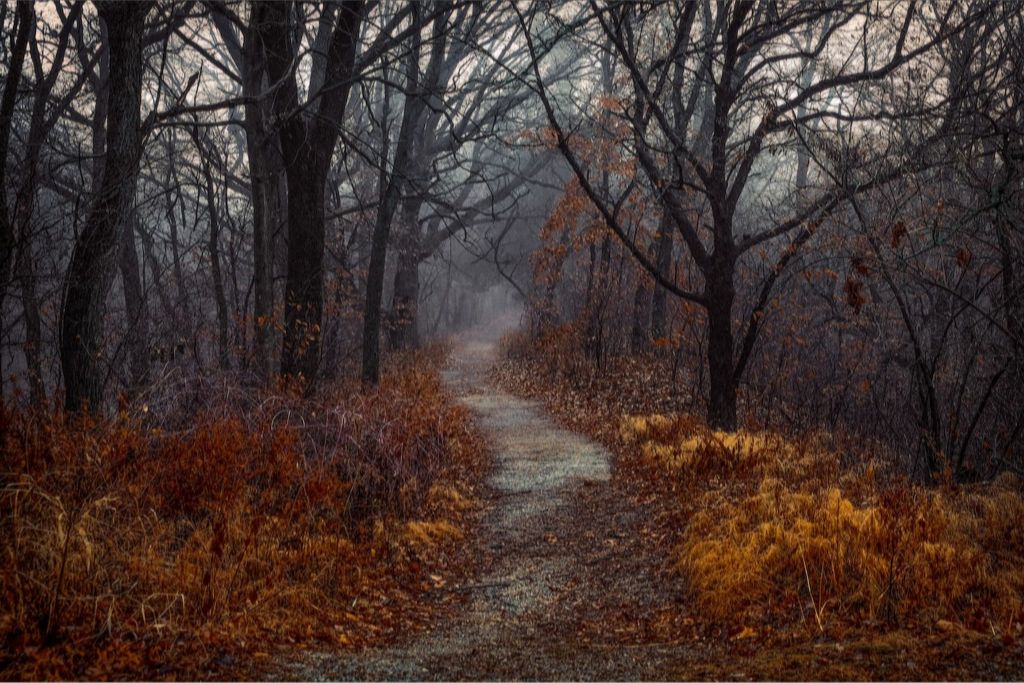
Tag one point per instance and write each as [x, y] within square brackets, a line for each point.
[783, 532]
[132, 547]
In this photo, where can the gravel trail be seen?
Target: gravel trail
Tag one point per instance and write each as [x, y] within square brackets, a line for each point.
[555, 560]
[570, 587]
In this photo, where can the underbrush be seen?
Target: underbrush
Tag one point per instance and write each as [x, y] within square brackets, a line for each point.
[784, 532]
[797, 535]
[164, 544]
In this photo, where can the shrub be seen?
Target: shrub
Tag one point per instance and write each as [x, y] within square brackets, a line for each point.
[784, 532]
[126, 544]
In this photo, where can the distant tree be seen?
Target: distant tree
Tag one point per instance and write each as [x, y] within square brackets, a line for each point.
[741, 56]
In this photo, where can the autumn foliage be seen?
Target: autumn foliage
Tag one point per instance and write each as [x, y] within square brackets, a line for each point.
[132, 547]
[778, 537]
[784, 532]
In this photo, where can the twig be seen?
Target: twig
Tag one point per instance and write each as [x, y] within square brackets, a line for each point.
[810, 592]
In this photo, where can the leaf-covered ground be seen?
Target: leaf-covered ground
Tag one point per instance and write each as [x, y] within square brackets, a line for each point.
[574, 575]
[746, 644]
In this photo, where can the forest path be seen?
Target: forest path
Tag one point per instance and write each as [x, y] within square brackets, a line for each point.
[563, 576]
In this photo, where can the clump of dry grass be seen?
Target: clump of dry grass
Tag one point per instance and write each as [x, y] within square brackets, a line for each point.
[128, 546]
[783, 531]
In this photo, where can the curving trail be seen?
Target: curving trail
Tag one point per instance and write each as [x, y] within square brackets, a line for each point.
[571, 590]
[558, 564]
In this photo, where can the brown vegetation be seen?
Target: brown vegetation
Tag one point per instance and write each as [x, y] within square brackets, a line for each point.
[782, 539]
[253, 524]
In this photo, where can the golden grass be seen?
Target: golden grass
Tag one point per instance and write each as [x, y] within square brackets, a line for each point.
[783, 532]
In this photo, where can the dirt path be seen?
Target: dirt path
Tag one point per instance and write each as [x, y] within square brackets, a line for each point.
[569, 587]
[563, 590]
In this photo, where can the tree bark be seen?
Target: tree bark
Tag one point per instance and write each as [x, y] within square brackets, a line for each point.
[39, 127]
[19, 46]
[33, 345]
[304, 295]
[641, 315]
[91, 270]
[264, 180]
[415, 105]
[404, 332]
[663, 261]
[25, 23]
[308, 135]
[720, 293]
[595, 316]
[214, 246]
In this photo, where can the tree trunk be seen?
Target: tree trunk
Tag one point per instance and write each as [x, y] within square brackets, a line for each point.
[307, 135]
[33, 345]
[25, 23]
[172, 222]
[264, 183]
[659, 300]
[214, 246]
[415, 104]
[595, 316]
[720, 294]
[94, 257]
[375, 282]
[41, 121]
[304, 295]
[641, 315]
[404, 333]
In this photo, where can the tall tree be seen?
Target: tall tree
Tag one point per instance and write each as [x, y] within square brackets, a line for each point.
[24, 25]
[308, 135]
[732, 53]
[418, 87]
[265, 168]
[93, 261]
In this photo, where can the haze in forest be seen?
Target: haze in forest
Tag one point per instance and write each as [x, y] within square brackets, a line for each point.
[483, 340]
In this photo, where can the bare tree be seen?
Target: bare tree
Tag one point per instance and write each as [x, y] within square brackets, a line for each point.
[94, 258]
[308, 133]
[733, 53]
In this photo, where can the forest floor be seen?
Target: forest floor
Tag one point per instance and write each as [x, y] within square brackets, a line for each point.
[571, 579]
[562, 590]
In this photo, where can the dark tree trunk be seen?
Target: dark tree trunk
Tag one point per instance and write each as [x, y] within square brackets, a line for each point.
[33, 346]
[24, 265]
[39, 126]
[595, 316]
[375, 282]
[265, 216]
[214, 246]
[265, 181]
[641, 315]
[172, 222]
[25, 23]
[304, 295]
[308, 136]
[404, 333]
[25, 19]
[1012, 295]
[591, 262]
[659, 299]
[720, 294]
[94, 257]
[415, 104]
